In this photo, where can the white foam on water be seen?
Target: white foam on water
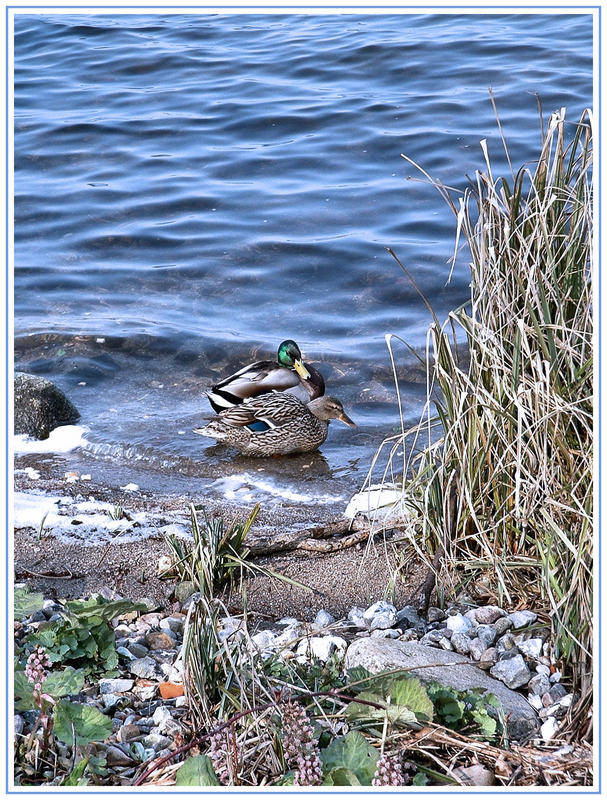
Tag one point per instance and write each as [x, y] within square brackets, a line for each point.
[88, 522]
[60, 440]
[248, 488]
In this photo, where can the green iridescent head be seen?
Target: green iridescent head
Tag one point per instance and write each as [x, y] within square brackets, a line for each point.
[289, 355]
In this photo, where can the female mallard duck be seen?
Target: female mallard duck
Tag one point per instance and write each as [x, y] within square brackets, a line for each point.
[276, 424]
[287, 374]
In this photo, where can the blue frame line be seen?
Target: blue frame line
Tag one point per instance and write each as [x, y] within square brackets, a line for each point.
[590, 9]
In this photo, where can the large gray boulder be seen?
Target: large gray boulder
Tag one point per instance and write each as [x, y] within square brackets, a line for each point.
[39, 406]
[447, 668]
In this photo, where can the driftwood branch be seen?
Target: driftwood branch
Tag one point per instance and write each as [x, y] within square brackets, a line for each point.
[358, 528]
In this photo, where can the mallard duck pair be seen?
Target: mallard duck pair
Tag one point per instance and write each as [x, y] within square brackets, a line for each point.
[273, 408]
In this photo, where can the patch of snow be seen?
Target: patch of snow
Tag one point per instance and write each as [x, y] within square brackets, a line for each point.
[60, 440]
[31, 473]
[88, 522]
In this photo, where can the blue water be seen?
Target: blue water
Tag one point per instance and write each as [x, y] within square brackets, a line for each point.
[192, 189]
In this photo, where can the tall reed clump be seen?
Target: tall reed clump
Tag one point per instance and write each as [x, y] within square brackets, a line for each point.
[507, 491]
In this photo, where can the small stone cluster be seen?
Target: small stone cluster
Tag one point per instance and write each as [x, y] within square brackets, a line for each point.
[147, 705]
[511, 647]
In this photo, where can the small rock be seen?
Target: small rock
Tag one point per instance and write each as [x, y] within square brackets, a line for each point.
[264, 641]
[474, 775]
[380, 615]
[169, 690]
[290, 634]
[149, 603]
[137, 649]
[164, 722]
[19, 724]
[410, 635]
[159, 640]
[502, 625]
[323, 619]
[458, 623]
[185, 590]
[513, 672]
[535, 701]
[356, 617]
[435, 614]
[111, 701]
[181, 702]
[389, 633]
[408, 617]
[432, 638]
[109, 685]
[145, 692]
[157, 741]
[445, 643]
[549, 728]
[506, 647]
[320, 647]
[477, 648]
[539, 685]
[532, 648]
[488, 615]
[128, 732]
[39, 406]
[488, 656]
[174, 624]
[117, 757]
[542, 669]
[487, 634]
[461, 643]
[556, 676]
[520, 619]
[144, 668]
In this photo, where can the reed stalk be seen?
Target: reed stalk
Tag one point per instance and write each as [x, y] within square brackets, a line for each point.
[516, 413]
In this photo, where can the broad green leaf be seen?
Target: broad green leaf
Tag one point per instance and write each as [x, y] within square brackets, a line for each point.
[341, 776]
[25, 603]
[75, 777]
[410, 693]
[64, 682]
[90, 725]
[24, 697]
[97, 610]
[352, 752]
[404, 700]
[197, 771]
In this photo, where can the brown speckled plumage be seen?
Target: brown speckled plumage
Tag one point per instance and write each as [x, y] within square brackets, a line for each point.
[290, 425]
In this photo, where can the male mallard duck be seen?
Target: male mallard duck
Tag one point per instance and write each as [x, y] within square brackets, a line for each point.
[287, 374]
[289, 426]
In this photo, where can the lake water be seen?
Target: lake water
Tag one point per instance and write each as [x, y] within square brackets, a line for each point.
[190, 190]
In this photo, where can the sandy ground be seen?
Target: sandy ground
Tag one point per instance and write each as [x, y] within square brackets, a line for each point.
[336, 581]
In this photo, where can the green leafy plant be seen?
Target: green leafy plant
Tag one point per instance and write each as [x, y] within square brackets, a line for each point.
[25, 603]
[477, 714]
[349, 761]
[197, 771]
[404, 699]
[84, 635]
[80, 723]
[217, 557]
[57, 684]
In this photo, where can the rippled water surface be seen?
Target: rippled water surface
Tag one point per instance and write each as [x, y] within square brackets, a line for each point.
[192, 189]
